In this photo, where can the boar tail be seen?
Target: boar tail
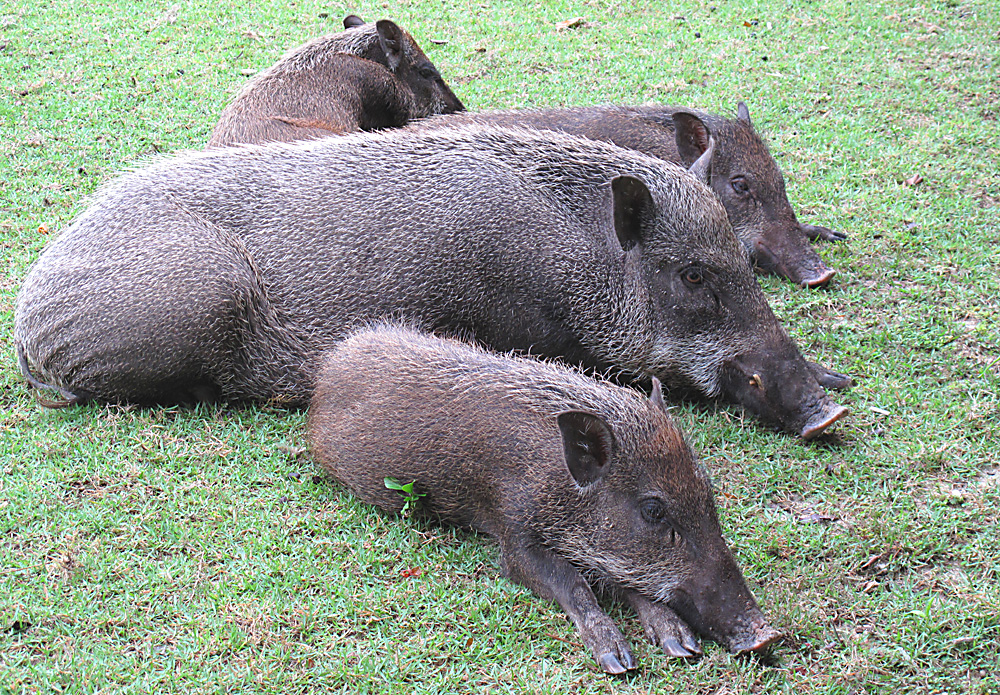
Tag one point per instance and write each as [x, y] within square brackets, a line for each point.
[68, 398]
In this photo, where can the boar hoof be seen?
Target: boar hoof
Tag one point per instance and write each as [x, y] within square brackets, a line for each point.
[815, 232]
[608, 647]
[610, 664]
[615, 658]
[690, 642]
[830, 379]
[671, 647]
[664, 627]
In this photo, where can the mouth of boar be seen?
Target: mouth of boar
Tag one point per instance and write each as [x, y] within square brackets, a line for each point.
[790, 256]
[781, 390]
[723, 611]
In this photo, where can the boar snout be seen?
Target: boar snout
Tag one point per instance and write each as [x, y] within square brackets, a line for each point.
[758, 636]
[780, 387]
[789, 255]
[718, 605]
[829, 413]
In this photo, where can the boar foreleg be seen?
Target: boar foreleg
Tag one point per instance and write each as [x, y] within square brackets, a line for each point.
[829, 378]
[816, 233]
[664, 628]
[552, 577]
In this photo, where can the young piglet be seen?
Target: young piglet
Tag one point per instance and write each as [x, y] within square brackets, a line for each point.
[580, 482]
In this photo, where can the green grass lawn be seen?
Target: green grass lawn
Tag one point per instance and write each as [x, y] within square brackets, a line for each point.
[198, 551]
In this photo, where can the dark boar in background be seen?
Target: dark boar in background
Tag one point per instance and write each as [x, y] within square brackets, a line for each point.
[368, 77]
[743, 173]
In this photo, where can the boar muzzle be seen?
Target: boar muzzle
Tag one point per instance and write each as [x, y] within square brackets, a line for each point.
[780, 387]
[718, 605]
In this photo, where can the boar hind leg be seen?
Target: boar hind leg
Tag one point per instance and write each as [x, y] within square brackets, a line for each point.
[554, 578]
[664, 628]
[170, 318]
[168, 345]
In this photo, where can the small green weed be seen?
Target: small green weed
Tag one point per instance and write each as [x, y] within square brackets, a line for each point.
[410, 498]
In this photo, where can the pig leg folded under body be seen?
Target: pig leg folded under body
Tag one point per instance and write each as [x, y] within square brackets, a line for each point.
[830, 379]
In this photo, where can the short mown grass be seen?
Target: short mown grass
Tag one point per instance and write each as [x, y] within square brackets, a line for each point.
[198, 551]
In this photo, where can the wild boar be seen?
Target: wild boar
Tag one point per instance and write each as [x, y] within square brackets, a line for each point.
[368, 77]
[225, 273]
[580, 481]
[744, 175]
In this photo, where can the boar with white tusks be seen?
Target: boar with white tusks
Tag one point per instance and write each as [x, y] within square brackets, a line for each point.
[580, 481]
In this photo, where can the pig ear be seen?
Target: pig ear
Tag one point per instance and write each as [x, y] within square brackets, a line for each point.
[587, 445]
[390, 37]
[702, 167]
[352, 20]
[691, 136]
[743, 112]
[633, 204]
[656, 396]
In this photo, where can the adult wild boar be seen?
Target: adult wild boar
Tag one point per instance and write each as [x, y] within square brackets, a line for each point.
[368, 77]
[225, 273]
[578, 480]
[744, 175]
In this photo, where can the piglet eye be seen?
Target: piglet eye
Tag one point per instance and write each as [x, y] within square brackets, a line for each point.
[653, 511]
[740, 185]
[427, 72]
[692, 276]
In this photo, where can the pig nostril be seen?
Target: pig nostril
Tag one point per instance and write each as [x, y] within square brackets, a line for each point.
[821, 279]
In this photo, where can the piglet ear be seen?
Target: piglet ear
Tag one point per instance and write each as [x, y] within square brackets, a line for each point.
[702, 167]
[691, 136]
[352, 20]
[587, 445]
[656, 396]
[743, 113]
[390, 37]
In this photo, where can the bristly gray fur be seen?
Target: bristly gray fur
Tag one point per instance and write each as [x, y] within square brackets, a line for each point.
[481, 438]
[762, 216]
[236, 267]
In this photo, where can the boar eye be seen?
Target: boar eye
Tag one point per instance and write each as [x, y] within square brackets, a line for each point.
[740, 185]
[692, 276]
[653, 511]
[428, 72]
